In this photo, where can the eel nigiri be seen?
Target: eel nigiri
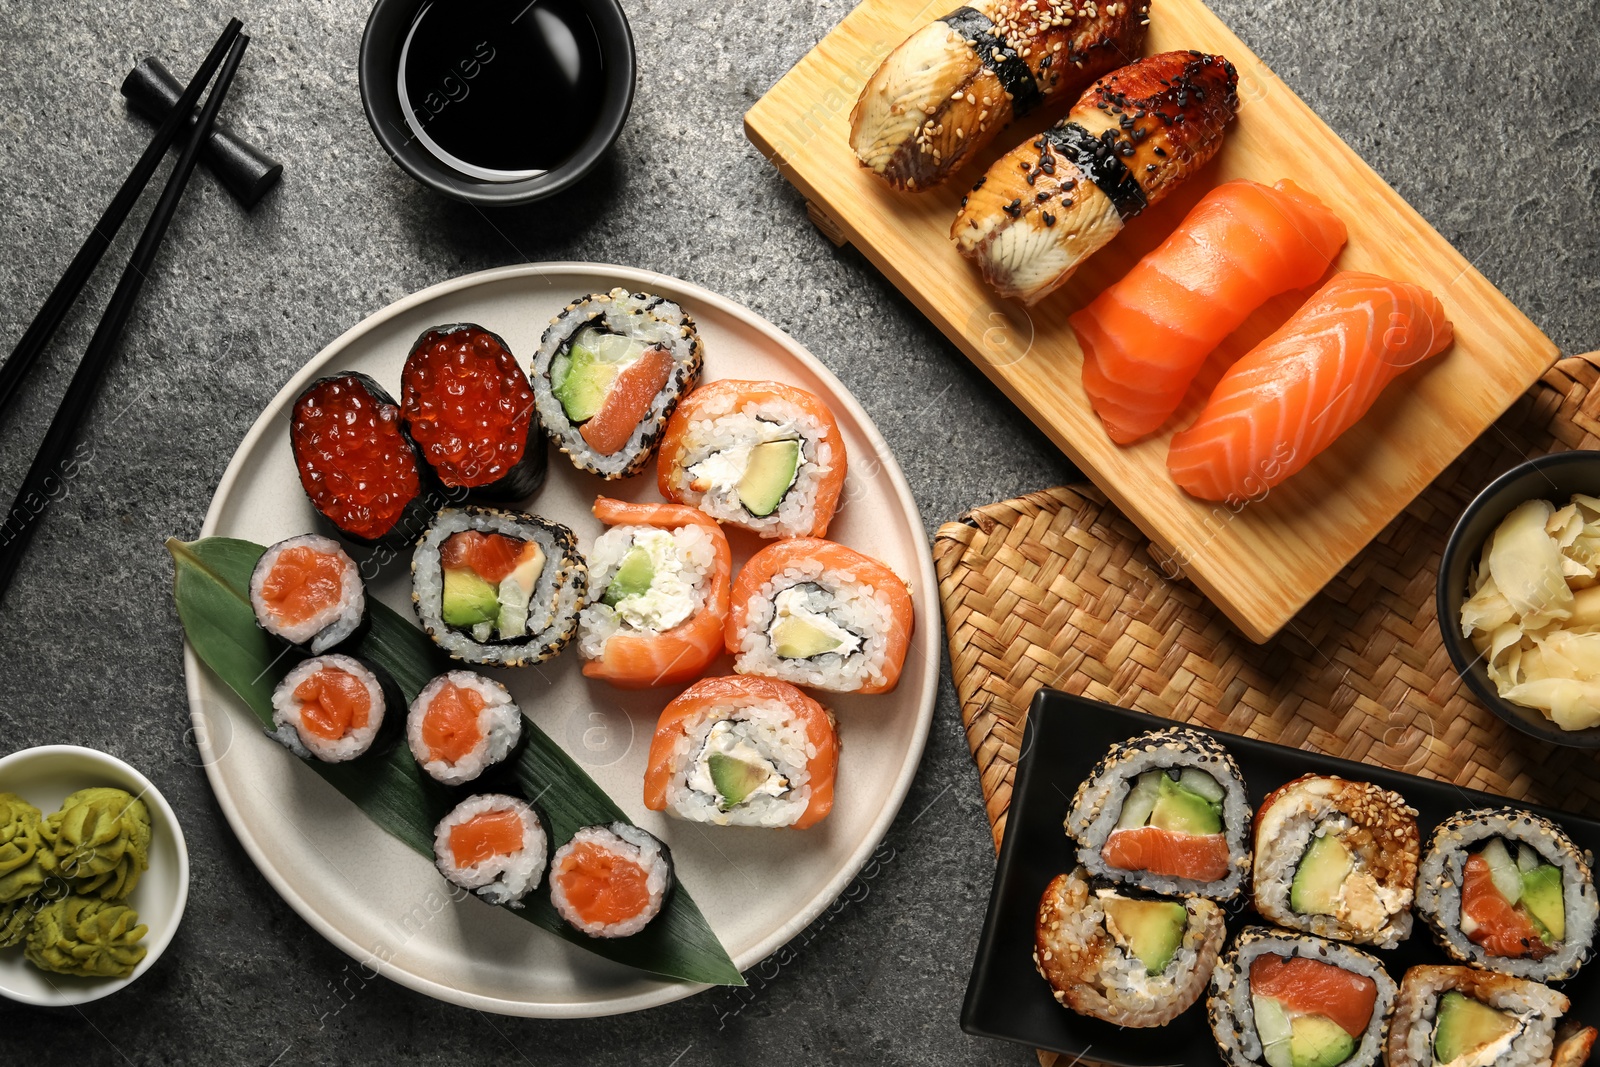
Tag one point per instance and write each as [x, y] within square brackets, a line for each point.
[1054, 201]
[1288, 398]
[952, 85]
[1146, 337]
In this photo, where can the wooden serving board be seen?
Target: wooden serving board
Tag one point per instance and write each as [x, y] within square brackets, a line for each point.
[1260, 562]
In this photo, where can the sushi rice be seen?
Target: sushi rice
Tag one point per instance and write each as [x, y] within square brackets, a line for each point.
[499, 728]
[287, 712]
[498, 879]
[682, 561]
[853, 611]
[335, 621]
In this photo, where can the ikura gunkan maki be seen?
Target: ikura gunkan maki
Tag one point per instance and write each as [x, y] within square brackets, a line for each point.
[469, 407]
[329, 708]
[610, 369]
[1464, 1017]
[1338, 859]
[360, 470]
[460, 725]
[816, 613]
[498, 587]
[610, 881]
[1284, 1000]
[1508, 890]
[743, 752]
[308, 592]
[762, 455]
[1165, 811]
[661, 580]
[1132, 961]
[493, 844]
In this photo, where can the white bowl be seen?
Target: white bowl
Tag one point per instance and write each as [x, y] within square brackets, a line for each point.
[46, 776]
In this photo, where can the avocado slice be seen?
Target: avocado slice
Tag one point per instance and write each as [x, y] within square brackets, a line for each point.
[1322, 871]
[1503, 870]
[794, 637]
[1140, 801]
[584, 384]
[633, 577]
[468, 600]
[1541, 895]
[1272, 1027]
[734, 778]
[1318, 1041]
[1184, 812]
[1465, 1025]
[768, 476]
[1152, 929]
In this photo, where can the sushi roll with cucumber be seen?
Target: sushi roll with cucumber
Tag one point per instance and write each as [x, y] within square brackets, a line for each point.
[1165, 811]
[660, 576]
[330, 708]
[609, 372]
[493, 845]
[762, 455]
[818, 614]
[355, 462]
[743, 751]
[1508, 890]
[1130, 960]
[1464, 1017]
[469, 407]
[308, 592]
[1287, 1000]
[1337, 859]
[460, 725]
[610, 881]
[498, 587]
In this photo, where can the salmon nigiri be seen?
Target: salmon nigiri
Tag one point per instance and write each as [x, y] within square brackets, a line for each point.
[1146, 337]
[661, 579]
[1288, 398]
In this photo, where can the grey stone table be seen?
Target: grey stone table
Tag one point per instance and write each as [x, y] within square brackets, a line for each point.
[1486, 116]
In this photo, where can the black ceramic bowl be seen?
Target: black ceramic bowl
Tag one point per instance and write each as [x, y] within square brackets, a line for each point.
[1554, 478]
[380, 96]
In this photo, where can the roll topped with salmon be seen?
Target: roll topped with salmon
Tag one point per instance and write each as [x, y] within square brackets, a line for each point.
[1165, 811]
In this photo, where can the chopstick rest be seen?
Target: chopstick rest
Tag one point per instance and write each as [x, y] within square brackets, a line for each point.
[243, 169]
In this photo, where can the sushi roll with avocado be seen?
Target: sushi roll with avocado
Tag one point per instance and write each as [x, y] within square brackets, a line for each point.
[498, 587]
[610, 881]
[469, 407]
[494, 845]
[460, 725]
[1165, 811]
[1464, 1017]
[609, 372]
[743, 751]
[1508, 890]
[1337, 859]
[762, 455]
[1287, 1000]
[330, 708]
[308, 592]
[1130, 960]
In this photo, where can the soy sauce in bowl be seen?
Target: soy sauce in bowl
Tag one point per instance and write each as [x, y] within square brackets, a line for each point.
[501, 90]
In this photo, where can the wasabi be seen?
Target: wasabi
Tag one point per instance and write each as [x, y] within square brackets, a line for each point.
[21, 872]
[86, 937]
[99, 842]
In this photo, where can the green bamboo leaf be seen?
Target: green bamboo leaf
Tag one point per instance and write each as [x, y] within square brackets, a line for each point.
[211, 585]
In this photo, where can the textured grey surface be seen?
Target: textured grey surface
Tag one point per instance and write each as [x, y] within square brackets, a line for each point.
[1484, 116]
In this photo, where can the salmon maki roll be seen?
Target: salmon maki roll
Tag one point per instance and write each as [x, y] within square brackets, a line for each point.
[611, 881]
[819, 614]
[493, 845]
[762, 455]
[330, 708]
[1291, 396]
[1167, 812]
[1461, 1015]
[743, 751]
[1146, 337]
[462, 724]
[308, 591]
[661, 581]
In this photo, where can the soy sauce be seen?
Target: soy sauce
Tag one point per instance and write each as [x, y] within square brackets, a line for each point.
[502, 90]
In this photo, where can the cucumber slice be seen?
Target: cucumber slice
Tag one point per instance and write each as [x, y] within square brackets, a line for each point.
[1141, 801]
[1527, 858]
[1202, 784]
[1503, 870]
[1272, 1026]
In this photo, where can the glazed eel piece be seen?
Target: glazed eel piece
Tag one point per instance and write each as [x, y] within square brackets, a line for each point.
[1054, 201]
[951, 86]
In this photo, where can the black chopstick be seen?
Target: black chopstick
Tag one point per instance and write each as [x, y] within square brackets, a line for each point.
[83, 264]
[48, 464]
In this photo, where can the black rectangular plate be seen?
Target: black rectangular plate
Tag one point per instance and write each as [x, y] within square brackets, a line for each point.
[1065, 736]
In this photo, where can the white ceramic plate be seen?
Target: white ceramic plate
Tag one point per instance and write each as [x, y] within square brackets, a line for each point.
[385, 905]
[46, 776]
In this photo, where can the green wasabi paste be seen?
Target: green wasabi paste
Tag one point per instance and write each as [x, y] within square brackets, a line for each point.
[86, 937]
[21, 869]
[99, 842]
